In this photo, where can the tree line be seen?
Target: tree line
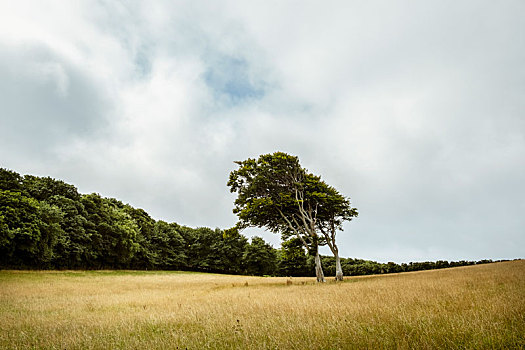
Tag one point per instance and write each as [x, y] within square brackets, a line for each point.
[47, 224]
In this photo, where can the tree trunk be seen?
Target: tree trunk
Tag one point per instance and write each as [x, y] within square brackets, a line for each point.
[318, 268]
[335, 251]
[338, 269]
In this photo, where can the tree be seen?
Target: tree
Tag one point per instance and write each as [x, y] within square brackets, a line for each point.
[146, 256]
[167, 246]
[333, 210]
[112, 230]
[259, 258]
[212, 250]
[71, 249]
[271, 195]
[28, 230]
[10, 180]
[275, 192]
[42, 188]
[292, 258]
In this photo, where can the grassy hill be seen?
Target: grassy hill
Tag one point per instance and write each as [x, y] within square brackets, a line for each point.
[478, 307]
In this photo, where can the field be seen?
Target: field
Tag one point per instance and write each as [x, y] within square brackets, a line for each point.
[477, 307]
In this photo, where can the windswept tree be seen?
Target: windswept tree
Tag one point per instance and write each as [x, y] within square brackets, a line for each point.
[332, 211]
[269, 191]
[275, 192]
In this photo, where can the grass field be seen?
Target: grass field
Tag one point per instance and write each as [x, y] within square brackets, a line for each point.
[475, 307]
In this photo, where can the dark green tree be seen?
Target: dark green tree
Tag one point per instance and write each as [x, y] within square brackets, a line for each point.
[112, 230]
[146, 255]
[293, 258]
[49, 218]
[213, 251]
[198, 247]
[333, 210]
[42, 188]
[259, 258]
[28, 230]
[275, 192]
[167, 246]
[10, 180]
[72, 246]
[271, 194]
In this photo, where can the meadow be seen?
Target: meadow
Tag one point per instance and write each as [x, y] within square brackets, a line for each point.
[474, 307]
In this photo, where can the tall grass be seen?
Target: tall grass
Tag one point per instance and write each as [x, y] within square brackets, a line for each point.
[475, 307]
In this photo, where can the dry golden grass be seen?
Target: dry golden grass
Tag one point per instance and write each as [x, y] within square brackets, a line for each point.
[469, 307]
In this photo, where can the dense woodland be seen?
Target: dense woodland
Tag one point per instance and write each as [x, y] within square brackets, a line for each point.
[46, 224]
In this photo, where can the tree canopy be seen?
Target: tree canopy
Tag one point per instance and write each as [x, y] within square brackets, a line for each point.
[276, 193]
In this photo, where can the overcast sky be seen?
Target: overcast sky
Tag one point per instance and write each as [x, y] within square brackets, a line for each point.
[413, 109]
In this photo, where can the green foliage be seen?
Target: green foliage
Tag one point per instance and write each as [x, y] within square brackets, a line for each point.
[166, 247]
[50, 217]
[213, 251]
[293, 259]
[20, 228]
[259, 258]
[45, 223]
[42, 188]
[10, 180]
[72, 246]
[112, 230]
[227, 252]
[147, 255]
[28, 230]
[275, 192]
[265, 189]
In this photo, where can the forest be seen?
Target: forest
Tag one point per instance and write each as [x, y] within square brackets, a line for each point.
[46, 223]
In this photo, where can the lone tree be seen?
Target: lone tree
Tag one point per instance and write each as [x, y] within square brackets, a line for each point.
[275, 192]
[333, 210]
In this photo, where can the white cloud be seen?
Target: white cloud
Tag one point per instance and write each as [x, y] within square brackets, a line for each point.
[56, 73]
[412, 109]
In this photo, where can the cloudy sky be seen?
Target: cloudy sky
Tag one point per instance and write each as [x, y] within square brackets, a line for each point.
[413, 109]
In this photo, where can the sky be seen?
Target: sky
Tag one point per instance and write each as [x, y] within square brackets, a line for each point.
[415, 110]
